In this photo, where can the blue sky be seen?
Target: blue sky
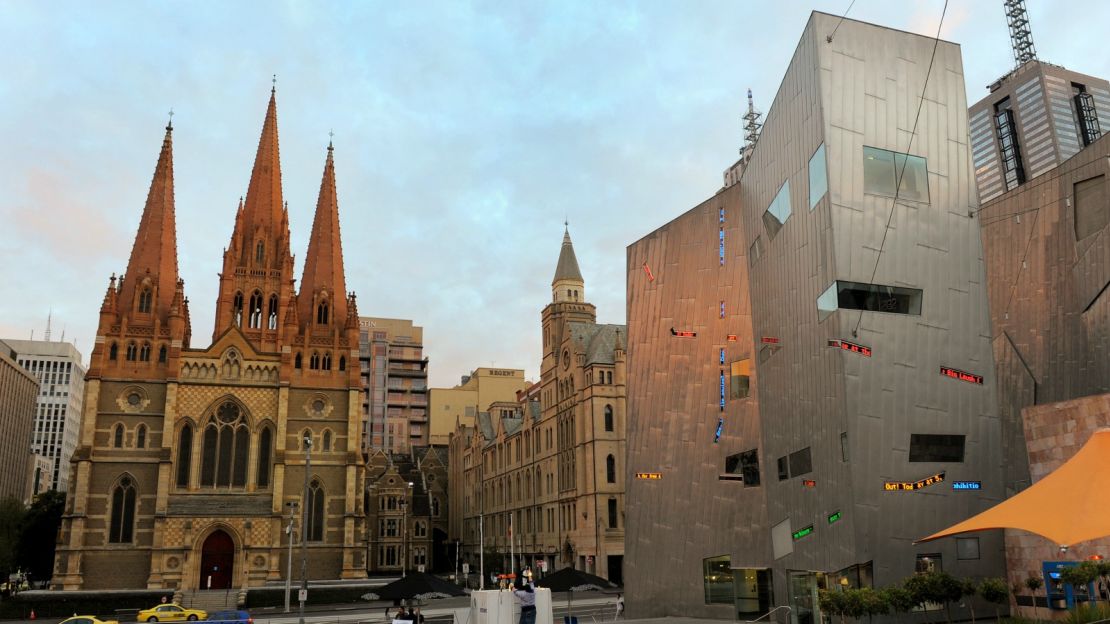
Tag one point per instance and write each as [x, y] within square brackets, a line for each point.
[464, 133]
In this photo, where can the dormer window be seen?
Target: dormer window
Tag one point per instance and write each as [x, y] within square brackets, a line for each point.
[322, 313]
[145, 300]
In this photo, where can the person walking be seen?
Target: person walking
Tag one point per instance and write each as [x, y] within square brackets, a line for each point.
[527, 597]
[620, 605]
[417, 616]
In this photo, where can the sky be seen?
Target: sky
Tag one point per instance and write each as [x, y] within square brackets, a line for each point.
[465, 134]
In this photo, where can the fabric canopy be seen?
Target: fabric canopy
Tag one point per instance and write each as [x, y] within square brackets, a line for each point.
[1068, 506]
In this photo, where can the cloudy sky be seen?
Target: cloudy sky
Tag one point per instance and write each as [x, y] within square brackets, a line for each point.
[465, 133]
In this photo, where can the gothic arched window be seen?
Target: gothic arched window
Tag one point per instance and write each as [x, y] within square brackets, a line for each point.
[342, 363]
[132, 352]
[162, 354]
[117, 436]
[306, 440]
[327, 440]
[237, 309]
[265, 452]
[610, 469]
[314, 361]
[315, 512]
[327, 361]
[140, 437]
[273, 312]
[435, 507]
[608, 417]
[145, 298]
[113, 351]
[225, 449]
[184, 456]
[144, 352]
[255, 319]
[322, 313]
[297, 361]
[122, 526]
[260, 253]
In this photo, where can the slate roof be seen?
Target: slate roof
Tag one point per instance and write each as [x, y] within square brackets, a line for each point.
[567, 269]
[597, 340]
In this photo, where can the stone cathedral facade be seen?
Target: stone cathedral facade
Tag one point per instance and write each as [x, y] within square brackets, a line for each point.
[189, 457]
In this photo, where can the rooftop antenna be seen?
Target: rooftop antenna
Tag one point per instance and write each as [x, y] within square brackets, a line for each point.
[49, 317]
[1020, 35]
[752, 126]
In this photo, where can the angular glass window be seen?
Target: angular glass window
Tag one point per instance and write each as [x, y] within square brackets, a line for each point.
[732, 464]
[914, 184]
[967, 547]
[749, 467]
[740, 378]
[878, 171]
[826, 303]
[800, 462]
[1091, 210]
[784, 473]
[718, 580]
[878, 298]
[818, 176]
[779, 210]
[936, 448]
[755, 252]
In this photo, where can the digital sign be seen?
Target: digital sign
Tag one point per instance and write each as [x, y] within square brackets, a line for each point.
[647, 269]
[732, 338]
[834, 517]
[967, 485]
[855, 348]
[909, 486]
[722, 355]
[809, 483]
[961, 375]
[722, 391]
[683, 334]
[720, 430]
[649, 476]
[769, 340]
[800, 533]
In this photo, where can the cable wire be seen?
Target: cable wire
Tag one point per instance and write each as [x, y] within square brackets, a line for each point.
[905, 161]
[833, 33]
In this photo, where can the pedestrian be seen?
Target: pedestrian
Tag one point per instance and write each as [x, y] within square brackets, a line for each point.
[417, 616]
[164, 599]
[527, 597]
[620, 605]
[401, 615]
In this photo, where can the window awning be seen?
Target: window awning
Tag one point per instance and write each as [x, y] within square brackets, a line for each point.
[1068, 506]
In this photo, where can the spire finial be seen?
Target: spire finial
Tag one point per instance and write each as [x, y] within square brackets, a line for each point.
[331, 135]
[169, 124]
[273, 89]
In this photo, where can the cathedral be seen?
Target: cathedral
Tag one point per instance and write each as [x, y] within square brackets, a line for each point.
[191, 461]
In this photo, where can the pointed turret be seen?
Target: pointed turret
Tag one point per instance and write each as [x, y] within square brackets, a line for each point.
[263, 208]
[147, 287]
[322, 284]
[567, 285]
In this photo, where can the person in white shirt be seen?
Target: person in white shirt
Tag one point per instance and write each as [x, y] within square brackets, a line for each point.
[527, 597]
[620, 605]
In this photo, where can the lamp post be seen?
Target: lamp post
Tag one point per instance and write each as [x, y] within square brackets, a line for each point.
[370, 491]
[405, 529]
[292, 505]
[304, 528]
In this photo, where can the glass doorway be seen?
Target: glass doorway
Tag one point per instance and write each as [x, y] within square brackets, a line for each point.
[803, 588]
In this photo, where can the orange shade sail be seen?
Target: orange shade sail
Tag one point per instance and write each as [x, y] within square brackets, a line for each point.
[1068, 506]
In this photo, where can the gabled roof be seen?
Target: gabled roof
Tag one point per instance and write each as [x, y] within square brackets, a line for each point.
[485, 426]
[567, 268]
[596, 340]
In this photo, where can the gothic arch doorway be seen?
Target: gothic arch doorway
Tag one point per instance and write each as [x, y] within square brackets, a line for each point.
[217, 561]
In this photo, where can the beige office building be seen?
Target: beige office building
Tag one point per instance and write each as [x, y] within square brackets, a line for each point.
[18, 392]
[394, 375]
[475, 392]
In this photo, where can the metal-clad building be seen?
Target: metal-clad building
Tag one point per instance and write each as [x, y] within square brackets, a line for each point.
[849, 290]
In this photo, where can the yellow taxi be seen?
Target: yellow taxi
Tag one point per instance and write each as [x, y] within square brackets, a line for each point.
[171, 613]
[87, 619]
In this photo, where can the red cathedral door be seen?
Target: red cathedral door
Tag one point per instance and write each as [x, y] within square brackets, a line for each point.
[217, 561]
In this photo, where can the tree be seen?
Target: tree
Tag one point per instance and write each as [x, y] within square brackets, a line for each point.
[11, 515]
[968, 590]
[1081, 576]
[38, 534]
[831, 603]
[874, 602]
[993, 590]
[1034, 583]
[899, 599]
[1103, 568]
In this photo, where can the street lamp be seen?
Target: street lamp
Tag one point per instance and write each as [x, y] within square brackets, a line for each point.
[405, 529]
[370, 491]
[292, 505]
[303, 594]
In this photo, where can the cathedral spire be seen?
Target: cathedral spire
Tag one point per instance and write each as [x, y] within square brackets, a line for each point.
[567, 285]
[262, 212]
[150, 281]
[322, 281]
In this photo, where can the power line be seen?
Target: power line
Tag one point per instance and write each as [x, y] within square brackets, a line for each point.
[906, 160]
[833, 33]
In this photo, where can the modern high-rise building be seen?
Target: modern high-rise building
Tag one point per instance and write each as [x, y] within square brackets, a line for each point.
[809, 349]
[18, 395]
[394, 373]
[475, 392]
[61, 377]
[189, 457]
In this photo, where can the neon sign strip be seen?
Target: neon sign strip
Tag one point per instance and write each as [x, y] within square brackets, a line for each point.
[961, 375]
[910, 486]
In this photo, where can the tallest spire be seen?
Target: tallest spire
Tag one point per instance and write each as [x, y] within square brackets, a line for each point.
[263, 208]
[151, 277]
[323, 280]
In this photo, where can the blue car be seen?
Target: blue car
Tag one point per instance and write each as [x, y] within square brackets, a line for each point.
[231, 617]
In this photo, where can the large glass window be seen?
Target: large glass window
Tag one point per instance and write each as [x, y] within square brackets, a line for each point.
[800, 462]
[936, 448]
[184, 456]
[882, 170]
[818, 176]
[1091, 211]
[869, 298]
[122, 526]
[225, 449]
[315, 512]
[779, 210]
[718, 580]
[265, 450]
[749, 467]
[740, 378]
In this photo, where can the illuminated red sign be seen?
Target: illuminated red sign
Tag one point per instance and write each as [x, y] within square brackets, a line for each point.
[732, 337]
[961, 375]
[647, 269]
[855, 348]
[809, 483]
[769, 340]
[834, 343]
[683, 334]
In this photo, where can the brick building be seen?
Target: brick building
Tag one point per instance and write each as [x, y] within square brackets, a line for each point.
[188, 455]
[406, 511]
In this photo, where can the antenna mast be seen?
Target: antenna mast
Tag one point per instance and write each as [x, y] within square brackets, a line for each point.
[1020, 35]
[752, 126]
